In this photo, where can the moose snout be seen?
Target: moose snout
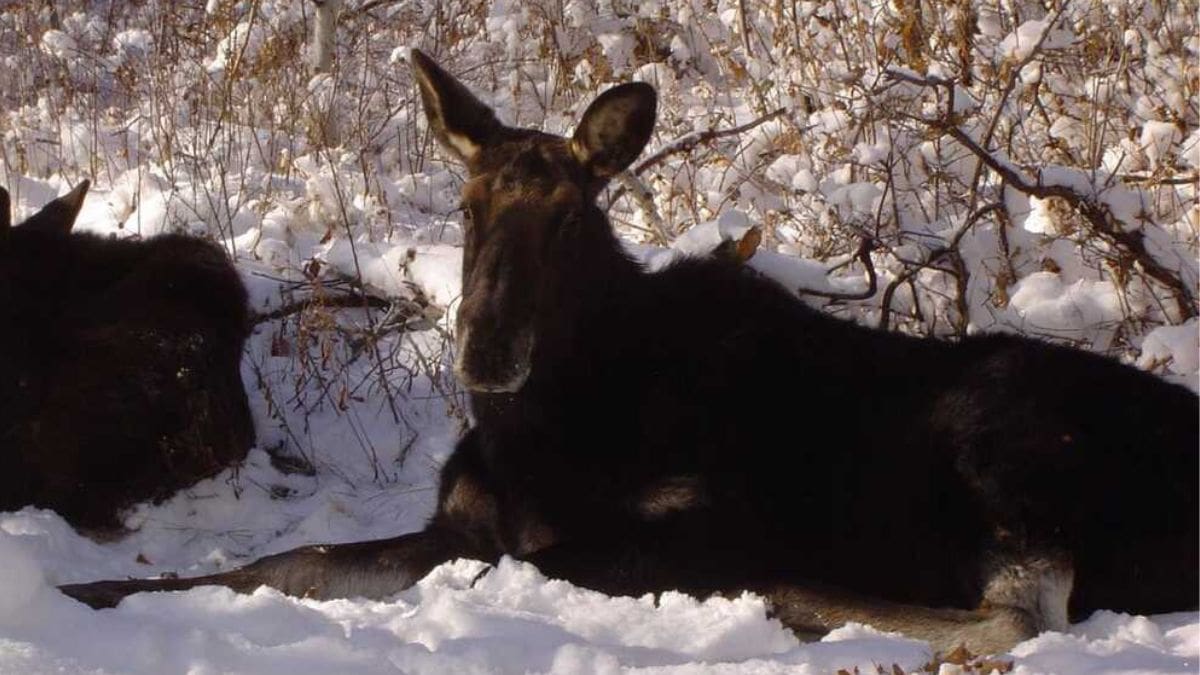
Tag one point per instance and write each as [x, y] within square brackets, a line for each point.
[493, 363]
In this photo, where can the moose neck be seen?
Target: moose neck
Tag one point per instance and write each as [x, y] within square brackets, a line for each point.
[590, 291]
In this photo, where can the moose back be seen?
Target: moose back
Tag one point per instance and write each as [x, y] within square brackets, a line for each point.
[120, 377]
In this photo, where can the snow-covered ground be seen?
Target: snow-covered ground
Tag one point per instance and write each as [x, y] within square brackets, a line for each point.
[203, 117]
[512, 620]
[372, 476]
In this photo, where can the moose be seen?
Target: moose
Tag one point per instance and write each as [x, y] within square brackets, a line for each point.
[120, 379]
[701, 429]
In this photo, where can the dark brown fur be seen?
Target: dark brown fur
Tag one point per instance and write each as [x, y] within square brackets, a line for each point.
[121, 373]
[701, 429]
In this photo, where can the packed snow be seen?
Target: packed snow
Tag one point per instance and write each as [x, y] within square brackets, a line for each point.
[204, 120]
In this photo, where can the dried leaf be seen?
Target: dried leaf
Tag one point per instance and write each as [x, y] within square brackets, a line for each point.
[280, 346]
[313, 269]
[748, 245]
[960, 656]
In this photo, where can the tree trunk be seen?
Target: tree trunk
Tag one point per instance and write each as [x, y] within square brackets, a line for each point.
[325, 34]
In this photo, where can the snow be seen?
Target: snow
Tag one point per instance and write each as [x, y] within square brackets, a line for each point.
[509, 620]
[98, 97]
[790, 170]
[1157, 139]
[134, 42]
[1020, 44]
[22, 580]
[58, 43]
[1047, 303]
[705, 237]
[1191, 150]
[1176, 346]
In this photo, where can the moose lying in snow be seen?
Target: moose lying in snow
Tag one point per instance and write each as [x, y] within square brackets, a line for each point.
[701, 429]
[119, 375]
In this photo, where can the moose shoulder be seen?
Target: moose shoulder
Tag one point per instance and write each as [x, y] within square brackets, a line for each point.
[120, 377]
[701, 429]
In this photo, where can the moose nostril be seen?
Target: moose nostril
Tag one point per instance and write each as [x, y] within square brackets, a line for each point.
[500, 362]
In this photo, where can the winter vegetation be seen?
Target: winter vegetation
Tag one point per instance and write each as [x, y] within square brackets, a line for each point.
[939, 169]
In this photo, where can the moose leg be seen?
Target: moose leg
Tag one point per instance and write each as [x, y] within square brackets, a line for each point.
[1022, 596]
[811, 611]
[370, 569]
[463, 527]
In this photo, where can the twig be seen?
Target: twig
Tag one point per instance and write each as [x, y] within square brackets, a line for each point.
[885, 306]
[865, 246]
[645, 200]
[1092, 211]
[351, 300]
[370, 5]
[689, 141]
[743, 28]
[1013, 72]
[1010, 84]
[1175, 180]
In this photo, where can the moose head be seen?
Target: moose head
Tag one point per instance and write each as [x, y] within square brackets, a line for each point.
[530, 215]
[56, 217]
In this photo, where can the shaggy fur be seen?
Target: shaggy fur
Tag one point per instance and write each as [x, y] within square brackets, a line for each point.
[120, 379]
[701, 429]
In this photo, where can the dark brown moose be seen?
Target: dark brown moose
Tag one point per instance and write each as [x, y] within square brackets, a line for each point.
[119, 366]
[701, 429]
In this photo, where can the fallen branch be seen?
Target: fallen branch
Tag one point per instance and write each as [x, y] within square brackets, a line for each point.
[863, 254]
[298, 306]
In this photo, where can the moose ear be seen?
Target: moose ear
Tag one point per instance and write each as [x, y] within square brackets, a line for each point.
[462, 123]
[59, 215]
[615, 128]
[5, 211]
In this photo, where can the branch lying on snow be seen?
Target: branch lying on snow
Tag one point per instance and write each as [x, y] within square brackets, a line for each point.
[1095, 213]
[352, 300]
[688, 142]
[863, 254]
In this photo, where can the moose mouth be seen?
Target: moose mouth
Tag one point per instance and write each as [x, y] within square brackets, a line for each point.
[496, 365]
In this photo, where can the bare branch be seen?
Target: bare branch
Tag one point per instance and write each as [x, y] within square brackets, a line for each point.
[346, 301]
[690, 141]
[885, 307]
[645, 200]
[1096, 214]
[863, 254]
[1160, 180]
